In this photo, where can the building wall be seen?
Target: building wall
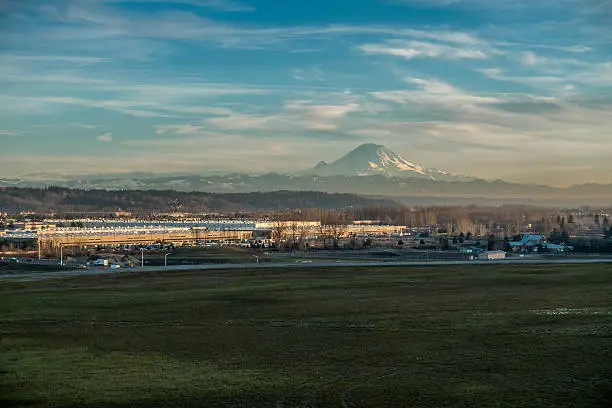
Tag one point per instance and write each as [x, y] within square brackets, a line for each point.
[375, 229]
[496, 255]
[262, 225]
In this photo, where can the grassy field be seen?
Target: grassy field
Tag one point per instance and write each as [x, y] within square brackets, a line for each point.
[9, 268]
[206, 255]
[472, 336]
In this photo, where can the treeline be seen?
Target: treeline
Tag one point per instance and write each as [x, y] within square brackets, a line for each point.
[64, 200]
[472, 219]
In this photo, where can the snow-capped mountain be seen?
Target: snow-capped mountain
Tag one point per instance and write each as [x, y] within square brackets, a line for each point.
[373, 159]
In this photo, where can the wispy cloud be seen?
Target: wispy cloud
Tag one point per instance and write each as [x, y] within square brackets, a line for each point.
[54, 78]
[297, 116]
[10, 132]
[531, 59]
[576, 6]
[220, 5]
[520, 125]
[575, 49]
[321, 111]
[438, 93]
[106, 137]
[179, 129]
[557, 75]
[416, 49]
[151, 100]
[313, 73]
[72, 59]
[242, 121]
[544, 81]
[599, 75]
[91, 21]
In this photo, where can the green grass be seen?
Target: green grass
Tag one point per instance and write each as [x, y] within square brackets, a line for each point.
[22, 267]
[218, 255]
[472, 336]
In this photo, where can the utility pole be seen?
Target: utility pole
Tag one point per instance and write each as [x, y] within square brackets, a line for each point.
[61, 255]
[142, 257]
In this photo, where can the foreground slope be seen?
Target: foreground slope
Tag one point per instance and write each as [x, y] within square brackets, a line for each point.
[423, 337]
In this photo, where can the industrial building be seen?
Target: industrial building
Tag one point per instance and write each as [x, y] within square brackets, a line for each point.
[50, 236]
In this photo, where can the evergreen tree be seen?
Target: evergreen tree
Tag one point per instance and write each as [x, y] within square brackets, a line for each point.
[445, 244]
[491, 243]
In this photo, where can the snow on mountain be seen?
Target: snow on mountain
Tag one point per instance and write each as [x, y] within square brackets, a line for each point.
[372, 159]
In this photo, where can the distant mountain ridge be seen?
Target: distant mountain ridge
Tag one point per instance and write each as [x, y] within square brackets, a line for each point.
[370, 169]
[415, 189]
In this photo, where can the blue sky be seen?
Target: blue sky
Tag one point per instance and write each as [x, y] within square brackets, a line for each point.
[520, 90]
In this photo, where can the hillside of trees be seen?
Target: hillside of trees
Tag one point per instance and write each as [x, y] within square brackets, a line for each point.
[64, 200]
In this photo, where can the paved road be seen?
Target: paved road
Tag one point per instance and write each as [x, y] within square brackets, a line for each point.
[293, 265]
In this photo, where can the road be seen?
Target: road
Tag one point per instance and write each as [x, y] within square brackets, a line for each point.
[288, 265]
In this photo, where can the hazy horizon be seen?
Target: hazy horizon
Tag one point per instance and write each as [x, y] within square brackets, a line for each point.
[511, 90]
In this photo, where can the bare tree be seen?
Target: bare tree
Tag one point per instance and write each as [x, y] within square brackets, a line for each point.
[336, 228]
[293, 228]
[323, 234]
[336, 232]
[279, 228]
[303, 232]
[463, 223]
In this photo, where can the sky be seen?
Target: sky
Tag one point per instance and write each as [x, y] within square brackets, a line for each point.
[512, 89]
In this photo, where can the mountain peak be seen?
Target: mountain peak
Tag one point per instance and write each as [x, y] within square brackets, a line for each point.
[369, 147]
[372, 149]
[370, 159]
